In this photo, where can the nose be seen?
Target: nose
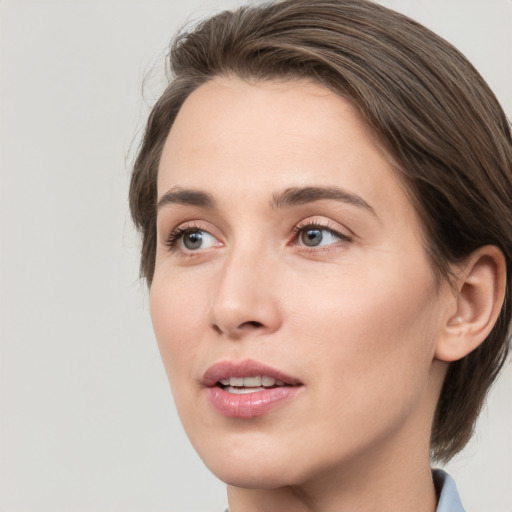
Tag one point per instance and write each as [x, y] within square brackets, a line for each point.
[245, 298]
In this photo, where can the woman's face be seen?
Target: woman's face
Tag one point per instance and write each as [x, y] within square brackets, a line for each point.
[288, 254]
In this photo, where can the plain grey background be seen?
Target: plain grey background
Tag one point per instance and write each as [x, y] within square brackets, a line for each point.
[87, 419]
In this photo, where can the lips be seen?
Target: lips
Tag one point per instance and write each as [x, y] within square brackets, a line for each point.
[248, 388]
[242, 369]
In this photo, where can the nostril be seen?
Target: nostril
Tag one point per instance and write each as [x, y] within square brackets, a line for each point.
[245, 325]
[251, 323]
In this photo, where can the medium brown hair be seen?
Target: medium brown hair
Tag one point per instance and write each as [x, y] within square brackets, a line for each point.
[443, 127]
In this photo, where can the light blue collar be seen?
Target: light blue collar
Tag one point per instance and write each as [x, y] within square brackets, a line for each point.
[449, 500]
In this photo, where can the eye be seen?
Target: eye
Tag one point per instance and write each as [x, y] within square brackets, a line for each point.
[313, 235]
[190, 239]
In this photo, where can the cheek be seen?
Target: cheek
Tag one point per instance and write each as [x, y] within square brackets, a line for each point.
[176, 314]
[367, 339]
[375, 326]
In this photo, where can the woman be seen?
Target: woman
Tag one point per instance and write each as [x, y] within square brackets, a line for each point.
[324, 195]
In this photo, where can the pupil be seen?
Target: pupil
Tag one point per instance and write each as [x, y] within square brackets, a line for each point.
[312, 237]
[193, 240]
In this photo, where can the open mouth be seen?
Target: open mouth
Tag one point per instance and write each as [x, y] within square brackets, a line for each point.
[247, 388]
[244, 385]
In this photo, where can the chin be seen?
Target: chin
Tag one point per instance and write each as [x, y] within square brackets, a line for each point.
[259, 469]
[264, 478]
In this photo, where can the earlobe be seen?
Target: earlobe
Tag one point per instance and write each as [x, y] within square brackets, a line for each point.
[480, 291]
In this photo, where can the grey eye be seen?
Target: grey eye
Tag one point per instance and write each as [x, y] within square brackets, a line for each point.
[318, 236]
[312, 237]
[193, 240]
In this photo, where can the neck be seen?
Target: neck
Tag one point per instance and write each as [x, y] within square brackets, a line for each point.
[393, 477]
[356, 489]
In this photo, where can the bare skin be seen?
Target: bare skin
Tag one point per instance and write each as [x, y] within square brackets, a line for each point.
[295, 245]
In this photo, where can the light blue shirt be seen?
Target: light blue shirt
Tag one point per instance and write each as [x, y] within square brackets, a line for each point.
[449, 500]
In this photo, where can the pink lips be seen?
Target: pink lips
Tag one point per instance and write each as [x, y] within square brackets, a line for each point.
[252, 404]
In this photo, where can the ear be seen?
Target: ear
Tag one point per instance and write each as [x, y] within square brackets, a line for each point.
[479, 294]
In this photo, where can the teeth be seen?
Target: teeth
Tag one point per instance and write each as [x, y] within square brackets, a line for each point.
[242, 391]
[257, 381]
[252, 382]
[268, 381]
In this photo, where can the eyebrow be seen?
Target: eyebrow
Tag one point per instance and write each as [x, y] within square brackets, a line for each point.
[177, 195]
[302, 195]
[293, 196]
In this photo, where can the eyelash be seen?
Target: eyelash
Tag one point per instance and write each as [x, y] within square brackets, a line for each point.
[177, 234]
[321, 226]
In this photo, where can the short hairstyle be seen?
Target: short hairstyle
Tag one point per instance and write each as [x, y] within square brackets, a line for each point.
[446, 134]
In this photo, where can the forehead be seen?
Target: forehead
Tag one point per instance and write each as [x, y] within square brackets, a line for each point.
[235, 137]
[251, 113]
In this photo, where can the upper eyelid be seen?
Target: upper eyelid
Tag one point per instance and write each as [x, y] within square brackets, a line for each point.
[328, 224]
[342, 237]
[189, 225]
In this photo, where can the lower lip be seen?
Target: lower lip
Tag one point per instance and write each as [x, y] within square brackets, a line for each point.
[249, 405]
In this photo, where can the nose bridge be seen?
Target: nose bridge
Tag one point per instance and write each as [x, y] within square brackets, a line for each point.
[244, 299]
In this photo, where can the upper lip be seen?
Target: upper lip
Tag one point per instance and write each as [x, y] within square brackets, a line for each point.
[244, 368]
